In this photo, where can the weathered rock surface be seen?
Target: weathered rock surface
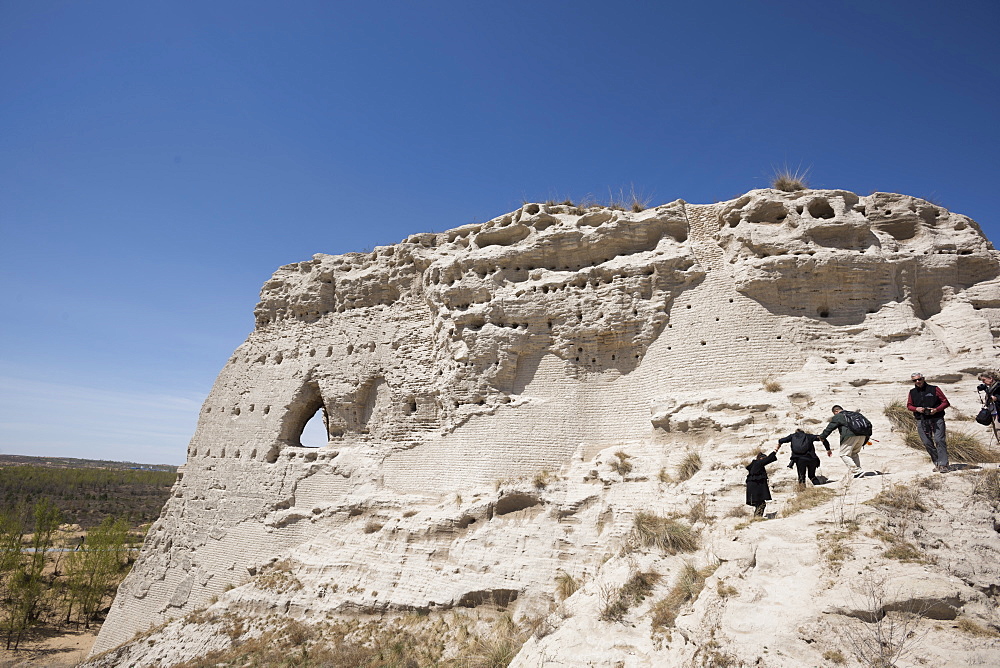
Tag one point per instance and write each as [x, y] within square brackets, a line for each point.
[477, 383]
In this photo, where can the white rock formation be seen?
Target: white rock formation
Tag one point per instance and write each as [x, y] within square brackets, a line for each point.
[452, 368]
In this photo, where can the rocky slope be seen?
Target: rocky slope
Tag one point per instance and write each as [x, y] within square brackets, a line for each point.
[478, 386]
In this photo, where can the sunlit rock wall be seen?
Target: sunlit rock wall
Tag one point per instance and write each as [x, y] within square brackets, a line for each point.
[532, 342]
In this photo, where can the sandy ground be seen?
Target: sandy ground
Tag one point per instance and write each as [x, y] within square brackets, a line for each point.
[46, 648]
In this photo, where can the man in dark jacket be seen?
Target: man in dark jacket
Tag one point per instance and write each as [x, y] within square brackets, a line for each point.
[927, 403]
[850, 443]
[804, 454]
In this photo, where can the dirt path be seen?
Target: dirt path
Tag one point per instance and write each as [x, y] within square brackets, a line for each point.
[47, 648]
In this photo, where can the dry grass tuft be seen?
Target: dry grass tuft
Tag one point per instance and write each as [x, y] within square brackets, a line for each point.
[689, 584]
[634, 591]
[621, 463]
[987, 486]
[738, 511]
[789, 181]
[899, 418]
[834, 656]
[371, 526]
[898, 498]
[498, 648]
[807, 498]
[665, 533]
[966, 625]
[834, 547]
[698, 512]
[690, 465]
[966, 448]
[771, 385]
[724, 590]
[543, 479]
[904, 551]
[566, 585]
[664, 476]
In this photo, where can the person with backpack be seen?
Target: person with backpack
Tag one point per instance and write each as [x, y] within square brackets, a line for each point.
[852, 437]
[990, 384]
[927, 403]
[804, 456]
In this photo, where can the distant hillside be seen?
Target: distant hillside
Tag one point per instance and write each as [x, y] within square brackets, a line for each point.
[86, 491]
[74, 463]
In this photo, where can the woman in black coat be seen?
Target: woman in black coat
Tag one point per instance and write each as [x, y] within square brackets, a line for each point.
[758, 493]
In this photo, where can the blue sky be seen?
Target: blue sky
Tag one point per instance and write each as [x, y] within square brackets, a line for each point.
[159, 160]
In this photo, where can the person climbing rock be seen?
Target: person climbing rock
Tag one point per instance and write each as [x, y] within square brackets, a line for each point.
[927, 403]
[850, 443]
[804, 456]
[758, 493]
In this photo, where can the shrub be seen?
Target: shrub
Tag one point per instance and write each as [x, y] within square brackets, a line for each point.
[689, 584]
[664, 476]
[690, 465]
[834, 656]
[621, 464]
[987, 486]
[789, 181]
[699, 511]
[771, 385]
[566, 585]
[966, 625]
[542, 479]
[967, 448]
[899, 418]
[665, 533]
[898, 498]
[371, 526]
[903, 551]
[636, 588]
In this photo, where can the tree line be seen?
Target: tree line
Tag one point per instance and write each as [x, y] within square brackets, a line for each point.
[51, 575]
[43, 580]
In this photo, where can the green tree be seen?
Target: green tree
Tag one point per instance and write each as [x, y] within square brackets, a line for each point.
[92, 570]
[25, 586]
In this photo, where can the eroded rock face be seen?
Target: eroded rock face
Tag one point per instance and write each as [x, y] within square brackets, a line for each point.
[451, 368]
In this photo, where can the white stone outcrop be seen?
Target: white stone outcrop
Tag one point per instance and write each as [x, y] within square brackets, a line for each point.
[476, 385]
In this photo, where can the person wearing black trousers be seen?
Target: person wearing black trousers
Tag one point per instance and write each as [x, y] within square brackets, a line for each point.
[758, 493]
[804, 456]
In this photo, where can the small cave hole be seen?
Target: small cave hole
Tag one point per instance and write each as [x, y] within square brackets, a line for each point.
[820, 208]
[703, 343]
[823, 313]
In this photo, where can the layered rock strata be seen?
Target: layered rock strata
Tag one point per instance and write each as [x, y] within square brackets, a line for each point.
[460, 374]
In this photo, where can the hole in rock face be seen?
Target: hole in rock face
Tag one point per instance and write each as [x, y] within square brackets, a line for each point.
[823, 313]
[314, 432]
[820, 208]
[510, 503]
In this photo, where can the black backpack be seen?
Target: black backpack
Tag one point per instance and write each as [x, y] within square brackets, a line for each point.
[858, 423]
[801, 444]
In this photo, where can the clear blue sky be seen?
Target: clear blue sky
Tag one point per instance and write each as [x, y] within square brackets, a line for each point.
[159, 160]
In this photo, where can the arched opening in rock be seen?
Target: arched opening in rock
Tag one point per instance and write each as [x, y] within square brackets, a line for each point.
[306, 409]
